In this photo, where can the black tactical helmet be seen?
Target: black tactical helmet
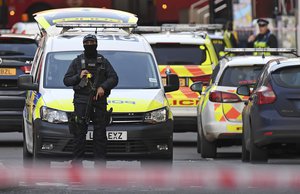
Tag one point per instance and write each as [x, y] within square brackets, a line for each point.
[89, 37]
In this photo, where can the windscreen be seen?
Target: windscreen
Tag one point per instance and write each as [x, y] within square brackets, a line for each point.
[178, 54]
[288, 77]
[135, 70]
[17, 46]
[234, 76]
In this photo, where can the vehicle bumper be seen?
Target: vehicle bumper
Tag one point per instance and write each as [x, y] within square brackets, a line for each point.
[142, 140]
[270, 127]
[214, 130]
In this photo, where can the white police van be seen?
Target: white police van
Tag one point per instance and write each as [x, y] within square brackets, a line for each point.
[142, 123]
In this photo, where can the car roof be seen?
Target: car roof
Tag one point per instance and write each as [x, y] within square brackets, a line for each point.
[111, 40]
[29, 36]
[249, 60]
[283, 63]
[167, 37]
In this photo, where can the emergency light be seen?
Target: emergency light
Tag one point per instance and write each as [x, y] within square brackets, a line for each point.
[273, 50]
[94, 25]
[179, 28]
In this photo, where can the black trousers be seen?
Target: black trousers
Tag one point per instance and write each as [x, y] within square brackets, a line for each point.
[97, 115]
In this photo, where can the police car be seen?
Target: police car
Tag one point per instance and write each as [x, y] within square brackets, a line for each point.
[142, 123]
[189, 53]
[219, 111]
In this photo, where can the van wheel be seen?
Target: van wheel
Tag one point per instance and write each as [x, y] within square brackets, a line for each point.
[208, 149]
[257, 155]
[245, 152]
[27, 156]
[198, 143]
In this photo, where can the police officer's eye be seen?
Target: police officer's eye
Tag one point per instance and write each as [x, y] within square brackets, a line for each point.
[89, 42]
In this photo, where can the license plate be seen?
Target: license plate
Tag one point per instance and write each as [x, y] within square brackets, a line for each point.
[111, 135]
[181, 82]
[8, 71]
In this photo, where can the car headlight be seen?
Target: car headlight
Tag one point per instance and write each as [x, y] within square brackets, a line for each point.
[156, 116]
[53, 116]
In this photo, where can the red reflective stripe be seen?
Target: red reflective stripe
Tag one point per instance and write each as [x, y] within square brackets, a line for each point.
[188, 92]
[216, 106]
[195, 70]
[233, 114]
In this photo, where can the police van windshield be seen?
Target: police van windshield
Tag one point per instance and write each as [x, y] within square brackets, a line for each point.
[178, 54]
[136, 70]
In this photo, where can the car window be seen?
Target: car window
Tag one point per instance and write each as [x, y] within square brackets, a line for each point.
[178, 54]
[17, 46]
[136, 70]
[234, 76]
[288, 77]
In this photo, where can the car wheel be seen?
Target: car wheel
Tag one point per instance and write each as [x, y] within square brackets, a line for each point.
[257, 154]
[245, 152]
[208, 149]
[27, 156]
[198, 143]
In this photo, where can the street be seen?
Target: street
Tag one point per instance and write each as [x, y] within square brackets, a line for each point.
[185, 157]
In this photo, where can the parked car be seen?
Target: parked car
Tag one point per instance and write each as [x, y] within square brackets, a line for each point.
[219, 118]
[271, 118]
[16, 52]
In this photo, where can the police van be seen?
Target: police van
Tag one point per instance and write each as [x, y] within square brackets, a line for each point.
[188, 52]
[142, 123]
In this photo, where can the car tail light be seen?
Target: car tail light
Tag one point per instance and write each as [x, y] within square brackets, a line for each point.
[218, 96]
[202, 78]
[26, 69]
[265, 95]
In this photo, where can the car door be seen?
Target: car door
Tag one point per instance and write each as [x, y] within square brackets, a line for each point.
[31, 99]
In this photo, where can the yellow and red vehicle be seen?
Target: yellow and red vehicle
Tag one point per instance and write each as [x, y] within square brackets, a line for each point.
[191, 55]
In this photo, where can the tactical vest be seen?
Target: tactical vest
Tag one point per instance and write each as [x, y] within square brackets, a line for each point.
[262, 44]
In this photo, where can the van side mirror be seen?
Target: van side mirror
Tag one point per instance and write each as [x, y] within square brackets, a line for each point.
[243, 90]
[25, 82]
[197, 87]
[172, 83]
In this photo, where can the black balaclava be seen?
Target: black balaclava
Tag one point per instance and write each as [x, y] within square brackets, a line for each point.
[90, 51]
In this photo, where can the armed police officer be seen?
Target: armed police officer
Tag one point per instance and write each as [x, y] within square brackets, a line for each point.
[92, 77]
[265, 39]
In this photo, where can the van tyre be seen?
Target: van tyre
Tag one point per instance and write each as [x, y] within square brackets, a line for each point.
[257, 155]
[198, 143]
[208, 149]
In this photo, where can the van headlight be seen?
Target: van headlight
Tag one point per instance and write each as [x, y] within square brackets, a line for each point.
[156, 116]
[53, 116]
